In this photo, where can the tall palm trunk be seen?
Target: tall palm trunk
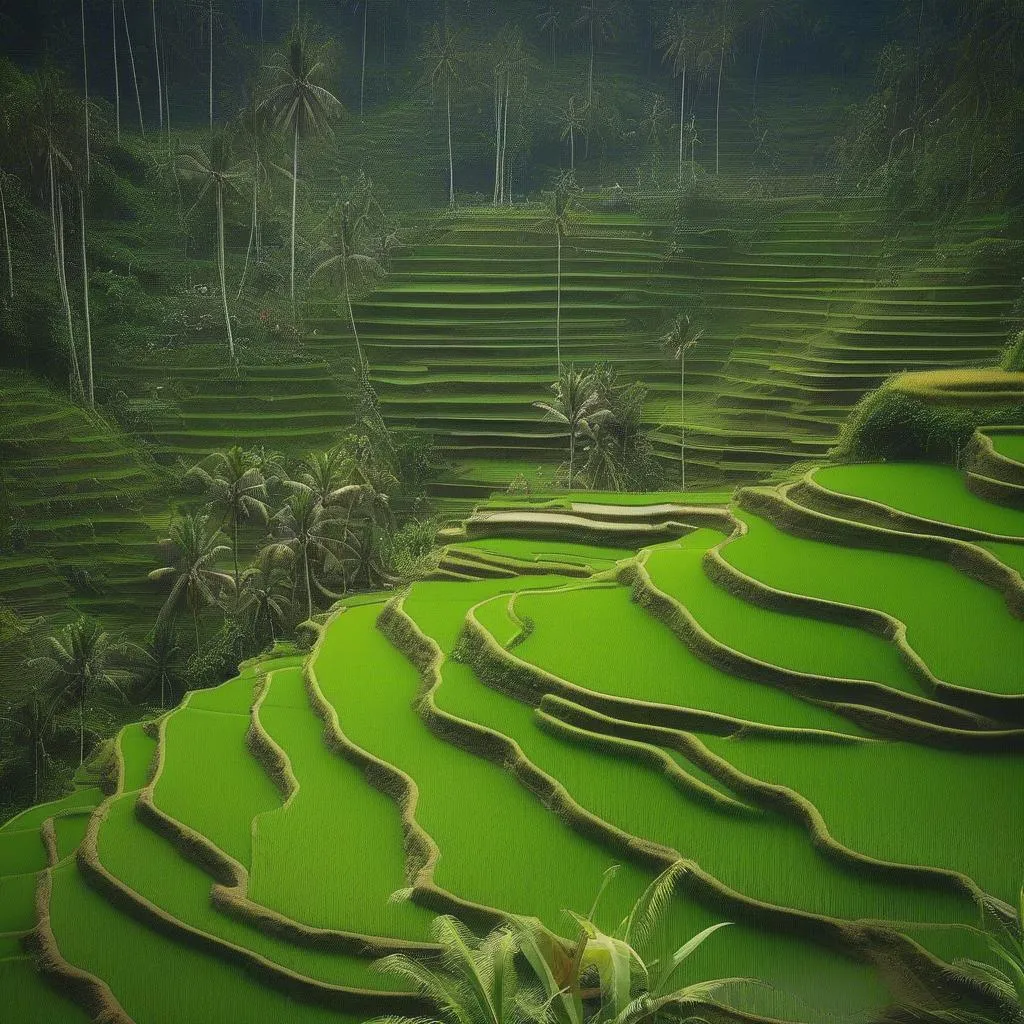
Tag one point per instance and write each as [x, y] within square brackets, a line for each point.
[757, 66]
[362, 76]
[590, 73]
[718, 109]
[309, 589]
[504, 137]
[682, 122]
[7, 238]
[117, 70]
[85, 80]
[35, 770]
[252, 226]
[131, 62]
[195, 623]
[558, 301]
[81, 730]
[220, 269]
[90, 391]
[295, 187]
[348, 298]
[572, 451]
[156, 60]
[572, 148]
[451, 157]
[497, 137]
[57, 221]
[211, 64]
[234, 549]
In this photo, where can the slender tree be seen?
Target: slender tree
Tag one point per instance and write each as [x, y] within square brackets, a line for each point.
[236, 490]
[724, 30]
[559, 215]
[156, 62]
[214, 168]
[576, 403]
[299, 105]
[252, 123]
[443, 58]
[4, 178]
[85, 86]
[683, 335]
[194, 548]
[346, 252]
[131, 62]
[552, 20]
[81, 661]
[90, 389]
[117, 69]
[678, 43]
[31, 722]
[160, 665]
[601, 20]
[572, 124]
[265, 597]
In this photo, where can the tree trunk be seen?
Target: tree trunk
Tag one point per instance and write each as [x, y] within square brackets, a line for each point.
[57, 219]
[81, 731]
[757, 66]
[451, 157]
[90, 390]
[590, 73]
[362, 76]
[211, 65]
[167, 97]
[572, 148]
[220, 269]
[35, 770]
[195, 623]
[558, 302]
[718, 108]
[131, 63]
[234, 549]
[309, 589]
[348, 299]
[85, 79]
[295, 187]
[504, 136]
[156, 59]
[497, 138]
[7, 238]
[117, 75]
[682, 121]
[572, 451]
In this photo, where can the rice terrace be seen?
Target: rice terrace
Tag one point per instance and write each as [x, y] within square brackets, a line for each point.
[512, 512]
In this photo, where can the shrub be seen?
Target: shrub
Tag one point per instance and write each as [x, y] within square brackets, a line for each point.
[889, 424]
[1013, 357]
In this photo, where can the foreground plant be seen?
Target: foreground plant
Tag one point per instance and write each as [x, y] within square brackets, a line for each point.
[521, 973]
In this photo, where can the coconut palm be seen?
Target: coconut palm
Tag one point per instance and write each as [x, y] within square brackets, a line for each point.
[85, 87]
[601, 20]
[769, 14]
[117, 68]
[298, 104]
[317, 538]
[6, 181]
[576, 404]
[682, 336]
[511, 63]
[80, 661]
[266, 592]
[195, 548]
[214, 169]
[252, 125]
[678, 44]
[723, 31]
[553, 19]
[52, 143]
[30, 721]
[347, 252]
[559, 215]
[131, 63]
[573, 123]
[160, 665]
[326, 473]
[236, 490]
[443, 58]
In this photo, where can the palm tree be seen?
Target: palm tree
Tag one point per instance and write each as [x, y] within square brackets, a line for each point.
[53, 145]
[117, 69]
[4, 185]
[601, 19]
[214, 169]
[131, 62]
[511, 62]
[443, 58]
[724, 21]
[552, 19]
[577, 402]
[317, 538]
[195, 547]
[325, 473]
[682, 336]
[769, 14]
[347, 252]
[266, 588]
[572, 124]
[85, 85]
[560, 209]
[6, 146]
[31, 721]
[678, 45]
[81, 660]
[236, 490]
[161, 664]
[478, 981]
[156, 61]
[252, 125]
[299, 104]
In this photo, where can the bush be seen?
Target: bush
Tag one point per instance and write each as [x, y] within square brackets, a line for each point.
[889, 424]
[1013, 357]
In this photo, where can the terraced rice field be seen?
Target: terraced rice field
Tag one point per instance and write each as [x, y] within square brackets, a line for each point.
[837, 753]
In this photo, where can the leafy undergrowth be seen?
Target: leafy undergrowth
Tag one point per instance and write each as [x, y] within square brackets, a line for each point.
[500, 741]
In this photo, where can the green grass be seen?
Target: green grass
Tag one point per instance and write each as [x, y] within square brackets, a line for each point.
[210, 781]
[114, 946]
[906, 803]
[653, 666]
[328, 868]
[791, 641]
[922, 489]
[925, 594]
